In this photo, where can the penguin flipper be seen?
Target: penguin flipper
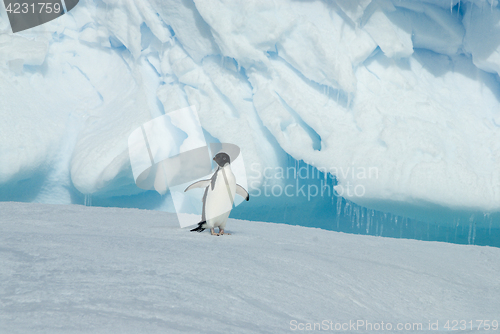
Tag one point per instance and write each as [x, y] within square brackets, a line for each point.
[242, 192]
[199, 184]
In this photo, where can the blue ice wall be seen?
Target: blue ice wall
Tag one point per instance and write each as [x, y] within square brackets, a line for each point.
[312, 203]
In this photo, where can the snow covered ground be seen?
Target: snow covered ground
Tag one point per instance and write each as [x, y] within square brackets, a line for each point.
[76, 269]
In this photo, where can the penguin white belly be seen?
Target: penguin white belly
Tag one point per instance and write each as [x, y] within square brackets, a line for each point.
[219, 201]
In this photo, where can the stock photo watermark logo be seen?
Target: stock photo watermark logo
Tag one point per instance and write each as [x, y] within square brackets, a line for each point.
[26, 14]
[170, 152]
[309, 182]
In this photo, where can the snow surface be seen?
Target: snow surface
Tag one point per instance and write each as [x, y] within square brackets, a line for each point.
[408, 87]
[70, 268]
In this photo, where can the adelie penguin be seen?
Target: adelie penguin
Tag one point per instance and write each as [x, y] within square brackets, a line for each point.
[218, 198]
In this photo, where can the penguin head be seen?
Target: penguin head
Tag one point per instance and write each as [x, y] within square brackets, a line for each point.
[222, 159]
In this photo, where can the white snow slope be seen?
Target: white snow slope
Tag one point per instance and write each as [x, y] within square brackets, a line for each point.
[408, 87]
[75, 269]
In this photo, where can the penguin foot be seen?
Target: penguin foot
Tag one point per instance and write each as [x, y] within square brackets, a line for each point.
[199, 228]
[221, 232]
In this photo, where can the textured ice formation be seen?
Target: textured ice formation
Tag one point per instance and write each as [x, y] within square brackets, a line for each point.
[409, 89]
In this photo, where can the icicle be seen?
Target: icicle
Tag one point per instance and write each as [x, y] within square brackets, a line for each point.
[367, 223]
[362, 215]
[338, 95]
[351, 215]
[470, 232]
[471, 220]
[339, 205]
[358, 218]
[474, 234]
[339, 210]
[354, 214]
[451, 6]
[88, 200]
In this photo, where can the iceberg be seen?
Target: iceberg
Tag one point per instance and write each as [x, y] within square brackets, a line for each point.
[395, 103]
